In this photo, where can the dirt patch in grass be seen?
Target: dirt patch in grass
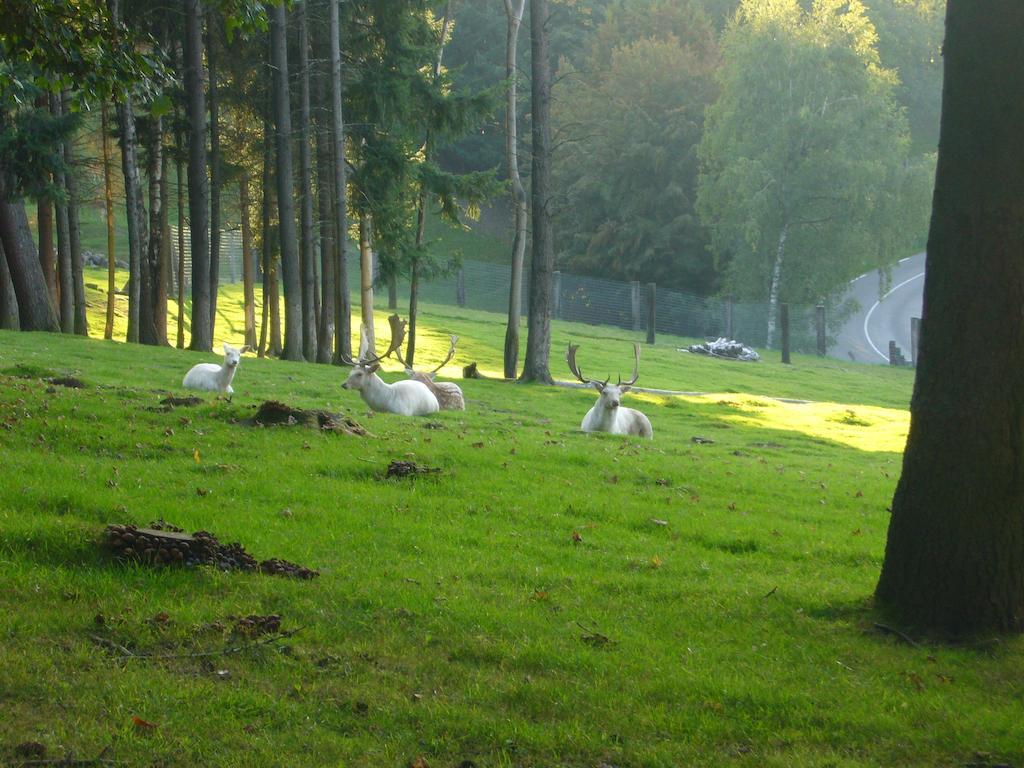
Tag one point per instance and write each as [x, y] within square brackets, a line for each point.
[408, 469]
[180, 402]
[164, 544]
[273, 413]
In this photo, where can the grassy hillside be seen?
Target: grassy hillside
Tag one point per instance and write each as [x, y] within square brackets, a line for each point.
[546, 598]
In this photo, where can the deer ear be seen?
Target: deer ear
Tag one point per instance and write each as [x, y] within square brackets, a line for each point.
[373, 368]
[625, 388]
[598, 385]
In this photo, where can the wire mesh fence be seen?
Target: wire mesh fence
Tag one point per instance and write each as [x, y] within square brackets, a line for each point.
[621, 304]
[592, 300]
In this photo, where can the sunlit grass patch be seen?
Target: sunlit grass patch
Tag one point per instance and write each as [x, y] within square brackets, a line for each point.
[864, 427]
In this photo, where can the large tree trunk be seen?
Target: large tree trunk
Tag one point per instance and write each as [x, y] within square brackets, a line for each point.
[47, 247]
[342, 298]
[290, 272]
[65, 275]
[538, 343]
[514, 13]
[366, 277]
[80, 320]
[306, 250]
[195, 108]
[163, 272]
[954, 560]
[151, 262]
[108, 205]
[8, 298]
[136, 213]
[216, 169]
[773, 287]
[179, 172]
[35, 313]
[267, 254]
[249, 297]
[325, 207]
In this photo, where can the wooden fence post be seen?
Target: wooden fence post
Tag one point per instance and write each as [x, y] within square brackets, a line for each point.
[729, 329]
[634, 294]
[460, 288]
[784, 323]
[652, 311]
[915, 338]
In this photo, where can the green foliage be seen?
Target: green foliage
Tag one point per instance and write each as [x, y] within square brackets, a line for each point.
[631, 119]
[394, 104]
[28, 158]
[73, 44]
[806, 148]
[910, 34]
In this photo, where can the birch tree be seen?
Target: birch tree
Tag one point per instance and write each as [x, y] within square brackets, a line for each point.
[806, 172]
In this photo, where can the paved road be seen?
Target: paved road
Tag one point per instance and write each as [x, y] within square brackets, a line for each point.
[865, 336]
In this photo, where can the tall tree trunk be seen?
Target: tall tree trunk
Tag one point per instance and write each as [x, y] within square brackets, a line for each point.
[151, 262]
[267, 254]
[216, 168]
[954, 560]
[392, 291]
[65, 275]
[108, 206]
[290, 273]
[306, 250]
[135, 213]
[249, 297]
[179, 172]
[80, 320]
[776, 281]
[195, 109]
[538, 343]
[8, 298]
[366, 276]
[35, 313]
[342, 297]
[163, 273]
[514, 14]
[325, 207]
[47, 248]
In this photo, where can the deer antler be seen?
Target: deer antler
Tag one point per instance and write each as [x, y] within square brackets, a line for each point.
[570, 358]
[451, 354]
[397, 337]
[636, 368]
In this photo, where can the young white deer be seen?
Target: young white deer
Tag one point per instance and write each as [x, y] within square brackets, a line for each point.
[448, 394]
[213, 377]
[608, 415]
[407, 397]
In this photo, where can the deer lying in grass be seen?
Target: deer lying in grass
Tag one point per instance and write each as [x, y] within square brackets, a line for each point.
[213, 377]
[408, 397]
[608, 415]
[448, 394]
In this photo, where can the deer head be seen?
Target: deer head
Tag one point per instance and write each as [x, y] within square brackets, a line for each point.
[611, 394]
[369, 363]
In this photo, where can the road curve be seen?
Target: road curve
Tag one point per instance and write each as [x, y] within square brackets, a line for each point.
[865, 336]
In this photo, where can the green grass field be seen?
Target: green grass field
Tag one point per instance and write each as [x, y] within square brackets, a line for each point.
[547, 598]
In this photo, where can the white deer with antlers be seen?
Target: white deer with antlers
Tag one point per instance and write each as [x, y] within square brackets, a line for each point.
[407, 397]
[448, 394]
[608, 415]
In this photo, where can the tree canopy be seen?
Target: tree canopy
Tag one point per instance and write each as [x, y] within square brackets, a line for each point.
[807, 174]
